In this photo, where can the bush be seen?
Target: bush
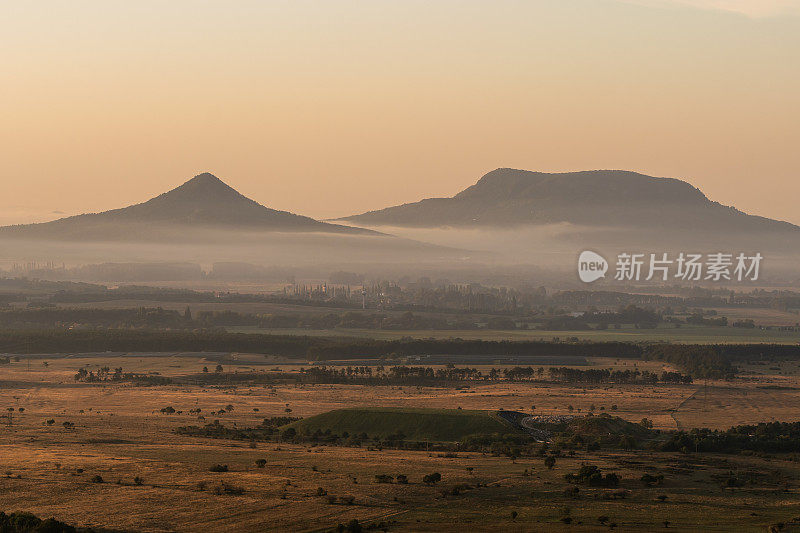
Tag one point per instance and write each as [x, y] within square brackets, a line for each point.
[96, 479]
[592, 476]
[383, 478]
[650, 480]
[226, 489]
[218, 468]
[432, 479]
[261, 463]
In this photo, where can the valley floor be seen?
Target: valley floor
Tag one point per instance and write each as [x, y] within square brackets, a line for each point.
[120, 434]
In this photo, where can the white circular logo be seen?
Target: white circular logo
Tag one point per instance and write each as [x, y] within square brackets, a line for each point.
[591, 266]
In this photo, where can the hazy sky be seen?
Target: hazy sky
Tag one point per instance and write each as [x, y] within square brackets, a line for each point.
[332, 107]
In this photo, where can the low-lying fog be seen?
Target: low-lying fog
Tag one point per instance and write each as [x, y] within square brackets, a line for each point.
[531, 253]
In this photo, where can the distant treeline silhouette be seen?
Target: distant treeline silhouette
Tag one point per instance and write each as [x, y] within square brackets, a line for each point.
[699, 361]
[766, 437]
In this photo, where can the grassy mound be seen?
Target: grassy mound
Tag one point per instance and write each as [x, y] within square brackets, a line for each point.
[606, 426]
[435, 425]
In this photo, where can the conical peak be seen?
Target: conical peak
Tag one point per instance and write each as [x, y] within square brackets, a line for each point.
[204, 184]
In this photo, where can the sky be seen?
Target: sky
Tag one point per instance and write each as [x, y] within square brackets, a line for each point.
[333, 107]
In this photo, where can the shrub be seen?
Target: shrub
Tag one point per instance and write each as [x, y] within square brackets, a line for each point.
[261, 463]
[218, 468]
[96, 479]
[592, 476]
[650, 480]
[432, 479]
[227, 489]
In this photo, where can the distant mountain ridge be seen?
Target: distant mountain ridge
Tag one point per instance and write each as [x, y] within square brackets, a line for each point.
[203, 202]
[509, 197]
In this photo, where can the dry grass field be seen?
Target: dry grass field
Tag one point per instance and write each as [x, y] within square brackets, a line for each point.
[120, 434]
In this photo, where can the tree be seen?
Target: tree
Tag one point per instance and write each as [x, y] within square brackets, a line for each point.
[261, 463]
[432, 479]
[205, 369]
[549, 461]
[218, 369]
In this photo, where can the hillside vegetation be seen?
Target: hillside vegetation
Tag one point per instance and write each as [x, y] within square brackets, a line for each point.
[441, 425]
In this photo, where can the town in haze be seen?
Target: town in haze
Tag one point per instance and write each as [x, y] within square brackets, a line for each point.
[405, 266]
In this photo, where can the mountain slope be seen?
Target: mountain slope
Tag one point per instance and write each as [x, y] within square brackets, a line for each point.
[508, 197]
[202, 203]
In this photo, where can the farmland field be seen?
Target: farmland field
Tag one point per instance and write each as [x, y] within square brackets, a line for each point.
[685, 334]
[156, 479]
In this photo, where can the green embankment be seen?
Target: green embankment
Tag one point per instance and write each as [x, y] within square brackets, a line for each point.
[437, 425]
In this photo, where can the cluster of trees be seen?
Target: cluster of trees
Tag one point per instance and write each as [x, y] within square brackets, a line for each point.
[698, 361]
[630, 314]
[575, 375]
[420, 375]
[55, 317]
[315, 348]
[767, 437]
[22, 522]
[348, 319]
[267, 430]
[51, 316]
[104, 374]
[592, 475]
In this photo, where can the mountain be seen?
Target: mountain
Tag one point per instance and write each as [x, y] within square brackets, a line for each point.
[202, 204]
[601, 198]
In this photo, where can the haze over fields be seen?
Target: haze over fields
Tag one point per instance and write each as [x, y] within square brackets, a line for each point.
[509, 217]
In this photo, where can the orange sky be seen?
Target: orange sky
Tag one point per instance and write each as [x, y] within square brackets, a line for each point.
[329, 108]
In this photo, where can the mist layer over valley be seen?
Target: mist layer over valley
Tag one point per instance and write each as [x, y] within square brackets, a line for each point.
[511, 226]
